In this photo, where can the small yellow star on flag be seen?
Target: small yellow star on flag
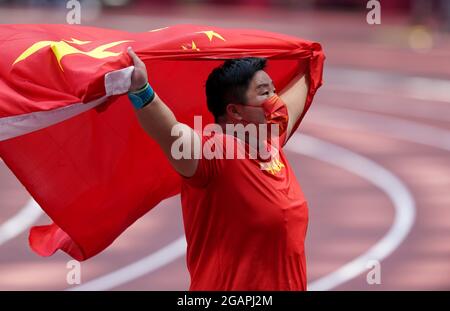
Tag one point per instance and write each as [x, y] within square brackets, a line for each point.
[211, 34]
[193, 46]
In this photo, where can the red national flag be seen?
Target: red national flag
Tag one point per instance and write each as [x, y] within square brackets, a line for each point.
[70, 135]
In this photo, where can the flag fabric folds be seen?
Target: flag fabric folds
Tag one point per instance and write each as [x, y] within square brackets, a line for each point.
[70, 136]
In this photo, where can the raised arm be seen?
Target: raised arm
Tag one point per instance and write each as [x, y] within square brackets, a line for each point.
[294, 96]
[159, 121]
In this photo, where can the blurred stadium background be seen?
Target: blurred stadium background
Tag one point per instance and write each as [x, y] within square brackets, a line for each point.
[374, 158]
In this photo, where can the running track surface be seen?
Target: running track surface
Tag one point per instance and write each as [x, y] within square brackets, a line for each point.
[372, 156]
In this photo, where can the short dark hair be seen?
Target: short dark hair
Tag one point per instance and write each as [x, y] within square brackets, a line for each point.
[229, 82]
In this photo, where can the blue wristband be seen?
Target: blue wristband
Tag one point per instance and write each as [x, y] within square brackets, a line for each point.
[142, 97]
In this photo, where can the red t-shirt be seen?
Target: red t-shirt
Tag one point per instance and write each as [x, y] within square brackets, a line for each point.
[245, 226]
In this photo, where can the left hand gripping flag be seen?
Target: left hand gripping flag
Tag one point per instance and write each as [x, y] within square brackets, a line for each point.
[70, 136]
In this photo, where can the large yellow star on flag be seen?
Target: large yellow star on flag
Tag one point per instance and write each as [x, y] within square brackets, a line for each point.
[62, 48]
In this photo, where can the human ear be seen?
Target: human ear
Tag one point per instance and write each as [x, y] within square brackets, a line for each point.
[233, 112]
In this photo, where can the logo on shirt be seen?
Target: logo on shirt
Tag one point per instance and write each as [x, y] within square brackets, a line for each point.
[273, 167]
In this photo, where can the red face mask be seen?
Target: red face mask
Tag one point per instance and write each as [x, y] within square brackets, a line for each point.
[275, 112]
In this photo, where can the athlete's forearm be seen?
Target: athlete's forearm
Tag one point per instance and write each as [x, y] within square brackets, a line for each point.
[294, 95]
[158, 121]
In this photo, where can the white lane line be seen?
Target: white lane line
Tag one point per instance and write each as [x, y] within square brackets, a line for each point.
[375, 83]
[20, 222]
[386, 181]
[386, 125]
[438, 112]
[148, 264]
[321, 150]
